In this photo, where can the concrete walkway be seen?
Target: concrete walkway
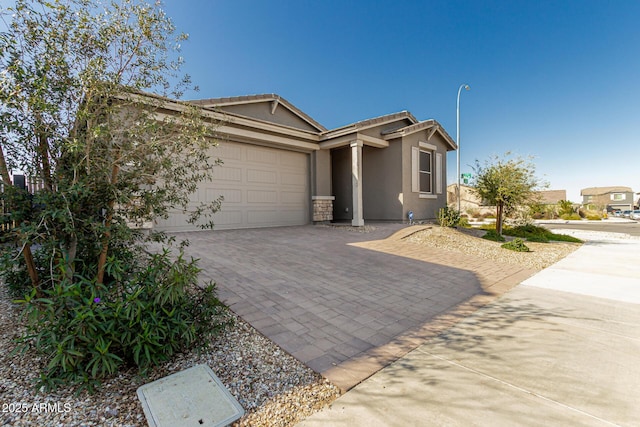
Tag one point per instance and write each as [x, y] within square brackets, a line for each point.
[346, 303]
[562, 349]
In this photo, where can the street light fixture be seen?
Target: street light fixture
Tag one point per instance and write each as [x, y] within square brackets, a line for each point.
[466, 87]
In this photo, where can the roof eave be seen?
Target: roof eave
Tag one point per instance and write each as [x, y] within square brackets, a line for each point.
[369, 123]
[253, 99]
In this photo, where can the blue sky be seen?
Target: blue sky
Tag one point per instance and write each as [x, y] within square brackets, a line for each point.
[557, 80]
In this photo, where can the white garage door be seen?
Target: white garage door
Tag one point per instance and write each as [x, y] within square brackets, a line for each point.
[262, 187]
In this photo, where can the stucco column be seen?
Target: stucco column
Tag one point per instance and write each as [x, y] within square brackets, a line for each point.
[356, 182]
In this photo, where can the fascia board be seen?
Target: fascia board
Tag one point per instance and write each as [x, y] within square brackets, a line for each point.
[256, 136]
[179, 106]
[345, 140]
[260, 99]
[354, 128]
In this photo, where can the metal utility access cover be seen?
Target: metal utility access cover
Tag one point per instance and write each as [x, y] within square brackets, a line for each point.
[193, 397]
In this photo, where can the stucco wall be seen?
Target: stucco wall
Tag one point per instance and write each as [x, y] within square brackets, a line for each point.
[423, 208]
[262, 111]
[321, 167]
[382, 182]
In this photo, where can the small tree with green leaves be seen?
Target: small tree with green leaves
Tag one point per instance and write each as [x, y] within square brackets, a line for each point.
[509, 183]
[75, 114]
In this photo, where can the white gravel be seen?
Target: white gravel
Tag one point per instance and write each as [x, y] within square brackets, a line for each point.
[469, 241]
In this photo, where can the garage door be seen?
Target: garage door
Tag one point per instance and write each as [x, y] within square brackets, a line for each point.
[262, 187]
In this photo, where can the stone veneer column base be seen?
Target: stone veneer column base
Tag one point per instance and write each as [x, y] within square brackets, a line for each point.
[322, 208]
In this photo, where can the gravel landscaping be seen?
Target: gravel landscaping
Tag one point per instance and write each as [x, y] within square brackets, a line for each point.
[467, 240]
[273, 387]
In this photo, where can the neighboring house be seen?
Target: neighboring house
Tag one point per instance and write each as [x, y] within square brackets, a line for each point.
[548, 200]
[281, 167]
[552, 197]
[609, 198]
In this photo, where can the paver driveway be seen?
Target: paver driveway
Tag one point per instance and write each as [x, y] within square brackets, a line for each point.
[345, 303]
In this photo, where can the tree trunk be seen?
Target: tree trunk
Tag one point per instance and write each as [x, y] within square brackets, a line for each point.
[43, 151]
[4, 171]
[102, 259]
[499, 209]
[26, 250]
[31, 268]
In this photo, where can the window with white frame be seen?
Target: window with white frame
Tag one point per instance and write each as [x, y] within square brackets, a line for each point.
[617, 197]
[426, 168]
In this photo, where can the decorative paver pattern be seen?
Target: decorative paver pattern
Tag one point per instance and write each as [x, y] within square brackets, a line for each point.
[345, 303]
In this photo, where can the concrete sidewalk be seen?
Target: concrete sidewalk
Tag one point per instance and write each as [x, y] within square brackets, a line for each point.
[561, 349]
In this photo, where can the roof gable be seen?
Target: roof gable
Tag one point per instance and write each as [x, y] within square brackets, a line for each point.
[596, 191]
[431, 126]
[267, 107]
[395, 121]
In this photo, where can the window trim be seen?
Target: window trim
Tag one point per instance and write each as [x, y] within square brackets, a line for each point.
[436, 170]
[429, 172]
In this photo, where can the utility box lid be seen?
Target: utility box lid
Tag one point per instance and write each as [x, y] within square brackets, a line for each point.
[193, 397]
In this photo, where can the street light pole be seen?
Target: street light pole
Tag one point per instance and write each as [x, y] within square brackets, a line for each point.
[466, 87]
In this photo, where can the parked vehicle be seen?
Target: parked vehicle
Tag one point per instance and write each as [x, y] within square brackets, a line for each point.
[635, 214]
[626, 214]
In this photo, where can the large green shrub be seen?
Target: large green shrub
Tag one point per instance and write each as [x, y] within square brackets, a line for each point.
[86, 331]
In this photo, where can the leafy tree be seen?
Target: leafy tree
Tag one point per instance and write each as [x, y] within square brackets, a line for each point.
[75, 114]
[509, 183]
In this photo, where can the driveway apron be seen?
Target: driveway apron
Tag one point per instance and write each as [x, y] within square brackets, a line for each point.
[343, 302]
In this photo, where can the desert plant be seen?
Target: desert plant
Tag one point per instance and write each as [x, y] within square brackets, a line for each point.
[517, 245]
[571, 217]
[464, 223]
[534, 233]
[85, 330]
[540, 238]
[493, 235]
[526, 231]
[565, 207]
[448, 217]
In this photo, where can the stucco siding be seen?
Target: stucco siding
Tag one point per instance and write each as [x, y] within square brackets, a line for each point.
[322, 173]
[262, 111]
[424, 208]
[382, 182]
